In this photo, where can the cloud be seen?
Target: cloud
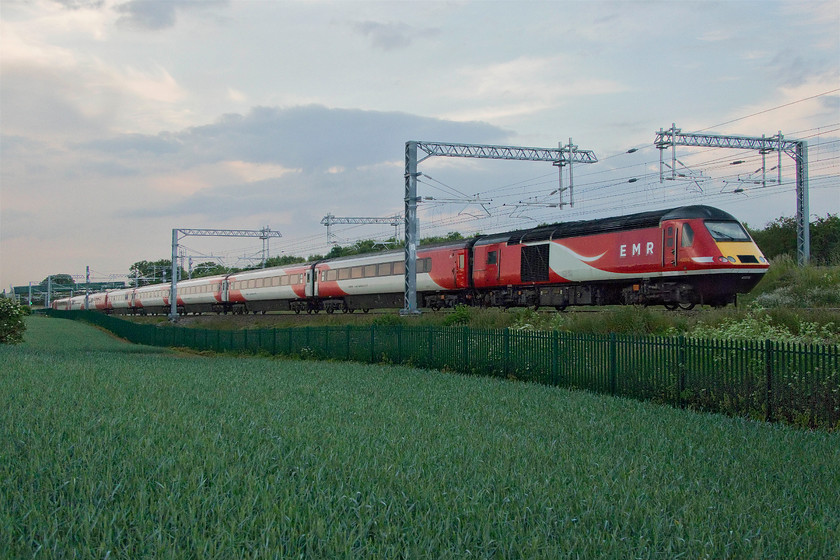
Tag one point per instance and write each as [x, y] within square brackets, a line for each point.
[147, 15]
[792, 70]
[156, 15]
[273, 159]
[526, 85]
[133, 144]
[81, 4]
[312, 138]
[390, 36]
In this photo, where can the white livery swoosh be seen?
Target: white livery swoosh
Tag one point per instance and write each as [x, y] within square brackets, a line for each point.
[581, 257]
[577, 268]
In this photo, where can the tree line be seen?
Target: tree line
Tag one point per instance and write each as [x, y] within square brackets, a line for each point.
[779, 238]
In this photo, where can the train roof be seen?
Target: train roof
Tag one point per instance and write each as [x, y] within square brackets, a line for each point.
[639, 220]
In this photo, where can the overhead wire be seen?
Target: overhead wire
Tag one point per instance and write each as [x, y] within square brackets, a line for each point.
[599, 194]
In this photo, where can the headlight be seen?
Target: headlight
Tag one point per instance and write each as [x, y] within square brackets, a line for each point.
[731, 259]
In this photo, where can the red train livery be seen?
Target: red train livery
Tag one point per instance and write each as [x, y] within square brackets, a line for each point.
[677, 258]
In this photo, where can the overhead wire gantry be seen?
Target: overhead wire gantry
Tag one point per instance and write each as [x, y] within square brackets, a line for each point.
[329, 220]
[560, 156]
[796, 149]
[177, 234]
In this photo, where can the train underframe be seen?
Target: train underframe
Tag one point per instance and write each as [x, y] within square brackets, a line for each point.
[684, 293]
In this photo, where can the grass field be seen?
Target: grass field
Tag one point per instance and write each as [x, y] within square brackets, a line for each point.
[109, 450]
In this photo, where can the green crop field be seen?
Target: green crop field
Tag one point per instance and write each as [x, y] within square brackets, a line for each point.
[109, 450]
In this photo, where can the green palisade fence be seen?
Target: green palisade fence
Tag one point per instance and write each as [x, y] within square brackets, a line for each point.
[762, 379]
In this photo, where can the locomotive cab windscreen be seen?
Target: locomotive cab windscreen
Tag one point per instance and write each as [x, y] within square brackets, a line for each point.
[727, 231]
[735, 244]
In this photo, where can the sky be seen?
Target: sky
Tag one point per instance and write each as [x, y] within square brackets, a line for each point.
[123, 120]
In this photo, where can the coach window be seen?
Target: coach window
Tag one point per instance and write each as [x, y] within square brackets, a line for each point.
[399, 268]
[370, 271]
[687, 236]
[344, 274]
[492, 257]
[356, 272]
[384, 269]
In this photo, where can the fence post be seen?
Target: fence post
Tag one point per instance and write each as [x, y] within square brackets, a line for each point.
[507, 353]
[466, 347]
[372, 343]
[555, 359]
[399, 344]
[613, 364]
[347, 345]
[431, 342]
[768, 370]
[681, 369]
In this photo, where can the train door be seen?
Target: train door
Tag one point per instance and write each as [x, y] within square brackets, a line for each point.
[460, 269]
[670, 238]
[492, 270]
[311, 282]
[225, 290]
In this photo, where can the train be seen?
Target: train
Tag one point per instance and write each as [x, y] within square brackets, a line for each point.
[677, 258]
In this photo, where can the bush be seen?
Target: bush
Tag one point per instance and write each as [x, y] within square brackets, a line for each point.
[11, 321]
[758, 324]
[788, 285]
[389, 320]
[461, 316]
